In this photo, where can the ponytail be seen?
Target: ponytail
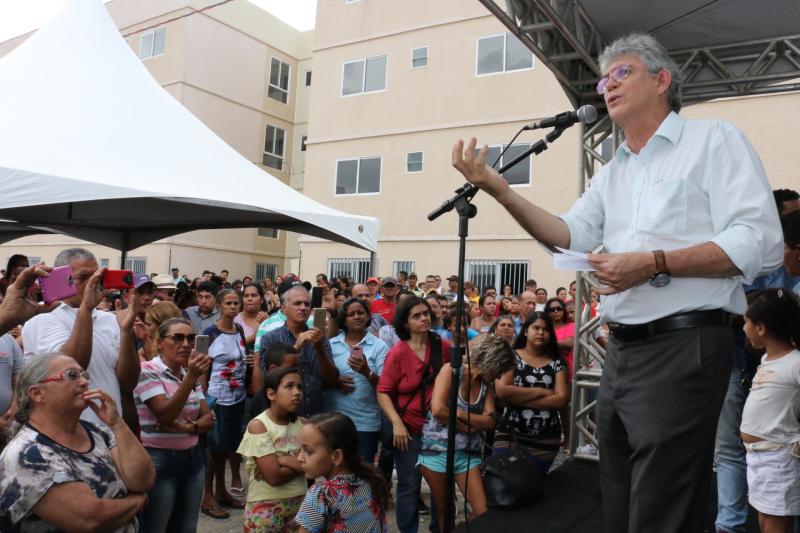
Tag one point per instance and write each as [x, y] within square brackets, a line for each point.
[779, 311]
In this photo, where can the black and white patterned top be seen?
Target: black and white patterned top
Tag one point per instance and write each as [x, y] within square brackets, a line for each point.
[32, 463]
[529, 422]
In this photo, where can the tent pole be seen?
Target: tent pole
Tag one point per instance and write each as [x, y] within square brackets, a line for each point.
[124, 255]
[373, 263]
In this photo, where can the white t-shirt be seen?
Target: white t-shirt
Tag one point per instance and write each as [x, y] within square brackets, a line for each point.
[773, 405]
[227, 381]
[48, 332]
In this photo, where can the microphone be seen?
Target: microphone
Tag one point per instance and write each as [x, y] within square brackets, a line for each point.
[585, 114]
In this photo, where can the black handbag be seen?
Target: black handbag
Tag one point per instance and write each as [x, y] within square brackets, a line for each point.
[511, 480]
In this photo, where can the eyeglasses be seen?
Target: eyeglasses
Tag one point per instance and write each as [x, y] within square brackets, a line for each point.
[178, 338]
[618, 74]
[67, 375]
[556, 310]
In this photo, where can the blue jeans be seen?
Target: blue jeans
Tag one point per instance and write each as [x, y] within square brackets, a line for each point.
[368, 445]
[730, 455]
[174, 501]
[408, 487]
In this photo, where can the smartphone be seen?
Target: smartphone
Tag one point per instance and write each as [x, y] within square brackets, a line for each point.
[201, 344]
[316, 297]
[320, 318]
[117, 279]
[59, 285]
[356, 351]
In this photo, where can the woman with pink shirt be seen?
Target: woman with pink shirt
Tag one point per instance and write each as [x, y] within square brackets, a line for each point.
[173, 413]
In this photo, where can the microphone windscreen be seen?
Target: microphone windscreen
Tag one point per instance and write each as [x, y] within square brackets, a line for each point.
[587, 114]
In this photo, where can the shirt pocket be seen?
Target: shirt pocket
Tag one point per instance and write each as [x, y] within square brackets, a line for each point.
[663, 209]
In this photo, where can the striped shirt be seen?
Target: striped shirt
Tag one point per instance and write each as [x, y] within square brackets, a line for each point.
[157, 379]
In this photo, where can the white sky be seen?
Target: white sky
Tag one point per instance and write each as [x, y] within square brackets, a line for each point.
[21, 16]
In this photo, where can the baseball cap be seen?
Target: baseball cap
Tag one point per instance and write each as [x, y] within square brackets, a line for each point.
[164, 281]
[289, 281]
[371, 279]
[141, 279]
[388, 280]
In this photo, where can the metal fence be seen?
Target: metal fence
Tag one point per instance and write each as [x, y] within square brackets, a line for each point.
[266, 270]
[497, 273]
[349, 267]
[137, 264]
[407, 266]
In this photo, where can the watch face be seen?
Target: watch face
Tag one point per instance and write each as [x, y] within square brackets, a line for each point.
[660, 280]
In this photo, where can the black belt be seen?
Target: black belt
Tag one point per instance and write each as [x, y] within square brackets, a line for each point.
[636, 332]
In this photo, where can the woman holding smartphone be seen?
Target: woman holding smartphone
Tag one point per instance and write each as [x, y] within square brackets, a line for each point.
[359, 357]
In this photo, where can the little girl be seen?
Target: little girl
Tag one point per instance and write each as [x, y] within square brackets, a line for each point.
[270, 445]
[353, 496]
[770, 427]
[490, 358]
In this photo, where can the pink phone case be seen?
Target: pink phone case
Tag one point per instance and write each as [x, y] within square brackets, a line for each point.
[59, 285]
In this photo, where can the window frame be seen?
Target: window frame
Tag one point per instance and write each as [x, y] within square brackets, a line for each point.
[307, 77]
[505, 53]
[276, 230]
[288, 80]
[282, 157]
[358, 175]
[364, 76]
[421, 162]
[152, 45]
[530, 163]
[426, 47]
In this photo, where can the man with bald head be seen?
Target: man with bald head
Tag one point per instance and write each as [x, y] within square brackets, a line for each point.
[527, 304]
[316, 358]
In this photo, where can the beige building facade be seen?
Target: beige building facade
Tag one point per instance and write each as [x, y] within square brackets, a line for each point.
[433, 73]
[245, 74]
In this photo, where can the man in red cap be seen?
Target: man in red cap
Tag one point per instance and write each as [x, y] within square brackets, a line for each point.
[386, 306]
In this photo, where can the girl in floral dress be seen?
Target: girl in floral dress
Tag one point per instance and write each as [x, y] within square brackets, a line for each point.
[350, 496]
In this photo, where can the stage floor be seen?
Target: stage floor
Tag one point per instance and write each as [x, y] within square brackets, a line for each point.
[572, 503]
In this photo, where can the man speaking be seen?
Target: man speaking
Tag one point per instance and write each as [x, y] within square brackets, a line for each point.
[685, 215]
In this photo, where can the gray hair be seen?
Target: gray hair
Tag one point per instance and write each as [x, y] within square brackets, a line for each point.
[65, 257]
[653, 55]
[34, 371]
[285, 295]
[225, 292]
[493, 356]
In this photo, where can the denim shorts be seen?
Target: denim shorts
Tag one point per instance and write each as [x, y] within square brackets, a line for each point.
[437, 461]
[228, 428]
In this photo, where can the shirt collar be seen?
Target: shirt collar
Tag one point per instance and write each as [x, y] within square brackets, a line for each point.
[367, 340]
[670, 129]
[162, 366]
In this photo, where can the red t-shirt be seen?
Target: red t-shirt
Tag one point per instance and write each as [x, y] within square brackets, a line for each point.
[380, 307]
[400, 379]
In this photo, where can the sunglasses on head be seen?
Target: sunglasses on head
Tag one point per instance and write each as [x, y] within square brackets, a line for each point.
[178, 338]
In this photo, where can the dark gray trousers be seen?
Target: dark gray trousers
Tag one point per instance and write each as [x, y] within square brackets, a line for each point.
[657, 412]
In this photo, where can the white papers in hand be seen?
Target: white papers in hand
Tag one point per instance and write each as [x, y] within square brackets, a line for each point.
[569, 260]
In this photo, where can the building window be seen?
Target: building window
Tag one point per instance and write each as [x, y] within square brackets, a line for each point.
[103, 263]
[364, 76]
[404, 266]
[273, 147]
[308, 78]
[349, 267]
[501, 53]
[152, 43]
[419, 57]
[266, 270]
[360, 175]
[497, 273]
[137, 264]
[303, 141]
[278, 80]
[519, 174]
[414, 162]
[33, 260]
[269, 233]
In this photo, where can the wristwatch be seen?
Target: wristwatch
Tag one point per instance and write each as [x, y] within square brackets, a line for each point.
[662, 277]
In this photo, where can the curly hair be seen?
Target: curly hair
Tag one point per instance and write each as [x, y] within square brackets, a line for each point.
[493, 356]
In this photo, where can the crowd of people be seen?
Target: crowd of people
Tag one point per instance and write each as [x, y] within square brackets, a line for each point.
[125, 412]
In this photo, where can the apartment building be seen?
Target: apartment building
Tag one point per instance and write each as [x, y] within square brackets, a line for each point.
[396, 84]
[246, 75]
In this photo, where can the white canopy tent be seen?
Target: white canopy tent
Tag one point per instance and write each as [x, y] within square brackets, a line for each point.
[93, 147]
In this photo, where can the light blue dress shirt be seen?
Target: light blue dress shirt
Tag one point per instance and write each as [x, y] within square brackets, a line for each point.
[694, 181]
[361, 405]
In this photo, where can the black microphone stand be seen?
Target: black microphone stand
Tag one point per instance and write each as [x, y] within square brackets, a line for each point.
[461, 203]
